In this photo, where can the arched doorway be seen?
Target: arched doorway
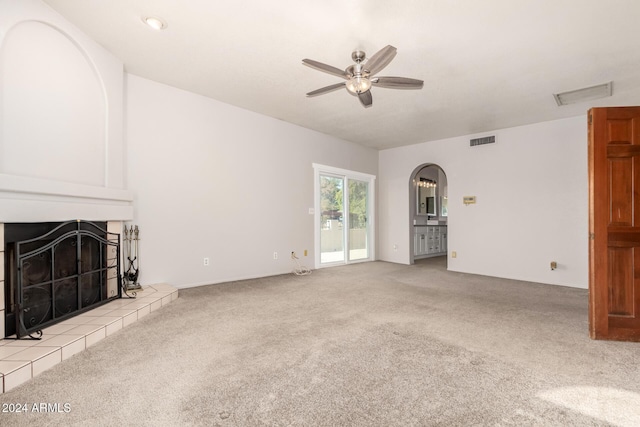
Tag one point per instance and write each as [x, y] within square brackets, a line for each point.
[428, 212]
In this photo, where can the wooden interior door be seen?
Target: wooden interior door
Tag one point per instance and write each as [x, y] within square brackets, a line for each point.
[614, 223]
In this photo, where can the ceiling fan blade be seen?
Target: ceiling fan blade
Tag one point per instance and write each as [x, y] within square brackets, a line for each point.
[397, 82]
[380, 59]
[326, 89]
[365, 98]
[325, 68]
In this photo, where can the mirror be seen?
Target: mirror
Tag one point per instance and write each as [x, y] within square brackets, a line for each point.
[426, 197]
[444, 204]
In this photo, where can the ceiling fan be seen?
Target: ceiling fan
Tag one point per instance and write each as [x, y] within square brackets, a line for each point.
[360, 76]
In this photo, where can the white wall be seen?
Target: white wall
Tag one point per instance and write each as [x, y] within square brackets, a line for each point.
[532, 203]
[61, 111]
[212, 180]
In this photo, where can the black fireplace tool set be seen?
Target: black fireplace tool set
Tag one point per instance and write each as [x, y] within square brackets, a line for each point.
[131, 245]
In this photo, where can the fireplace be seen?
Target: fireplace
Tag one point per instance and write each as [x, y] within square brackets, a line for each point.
[54, 271]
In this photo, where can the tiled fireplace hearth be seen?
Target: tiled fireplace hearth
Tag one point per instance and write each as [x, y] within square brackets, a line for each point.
[23, 359]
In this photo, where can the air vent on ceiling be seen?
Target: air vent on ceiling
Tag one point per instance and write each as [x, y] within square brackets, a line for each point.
[584, 94]
[481, 141]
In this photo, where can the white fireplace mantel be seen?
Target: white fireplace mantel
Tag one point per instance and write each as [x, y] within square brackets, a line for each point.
[27, 199]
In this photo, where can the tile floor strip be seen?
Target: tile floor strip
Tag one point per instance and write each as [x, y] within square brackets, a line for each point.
[21, 360]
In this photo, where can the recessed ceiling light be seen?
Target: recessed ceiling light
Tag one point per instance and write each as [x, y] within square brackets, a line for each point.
[584, 94]
[155, 22]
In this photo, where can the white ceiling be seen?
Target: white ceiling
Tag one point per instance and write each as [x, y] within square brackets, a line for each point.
[486, 64]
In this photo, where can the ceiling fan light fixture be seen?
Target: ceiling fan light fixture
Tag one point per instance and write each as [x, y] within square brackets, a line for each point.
[358, 84]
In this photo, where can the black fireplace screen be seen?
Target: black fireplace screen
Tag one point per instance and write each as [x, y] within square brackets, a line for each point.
[69, 270]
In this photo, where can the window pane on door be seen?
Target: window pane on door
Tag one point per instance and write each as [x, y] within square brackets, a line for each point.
[358, 213]
[331, 217]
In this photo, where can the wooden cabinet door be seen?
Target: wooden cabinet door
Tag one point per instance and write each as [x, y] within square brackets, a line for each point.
[614, 223]
[424, 243]
[421, 241]
[436, 240]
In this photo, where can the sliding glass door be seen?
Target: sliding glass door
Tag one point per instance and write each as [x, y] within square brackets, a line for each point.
[358, 214]
[343, 209]
[332, 219]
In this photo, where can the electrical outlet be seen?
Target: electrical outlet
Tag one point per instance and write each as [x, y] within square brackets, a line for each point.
[275, 255]
[395, 248]
[454, 254]
[305, 252]
[293, 255]
[206, 261]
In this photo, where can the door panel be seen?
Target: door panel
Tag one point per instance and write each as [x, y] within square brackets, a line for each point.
[619, 131]
[331, 218]
[614, 223]
[620, 176]
[358, 214]
[621, 281]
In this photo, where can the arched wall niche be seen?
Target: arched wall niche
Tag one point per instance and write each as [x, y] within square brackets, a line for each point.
[53, 107]
[436, 175]
[62, 152]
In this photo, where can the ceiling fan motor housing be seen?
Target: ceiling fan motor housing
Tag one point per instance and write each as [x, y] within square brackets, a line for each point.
[358, 56]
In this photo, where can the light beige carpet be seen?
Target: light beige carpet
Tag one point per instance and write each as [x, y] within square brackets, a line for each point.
[374, 344]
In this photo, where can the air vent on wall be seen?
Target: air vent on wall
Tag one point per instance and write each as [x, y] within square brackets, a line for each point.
[481, 141]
